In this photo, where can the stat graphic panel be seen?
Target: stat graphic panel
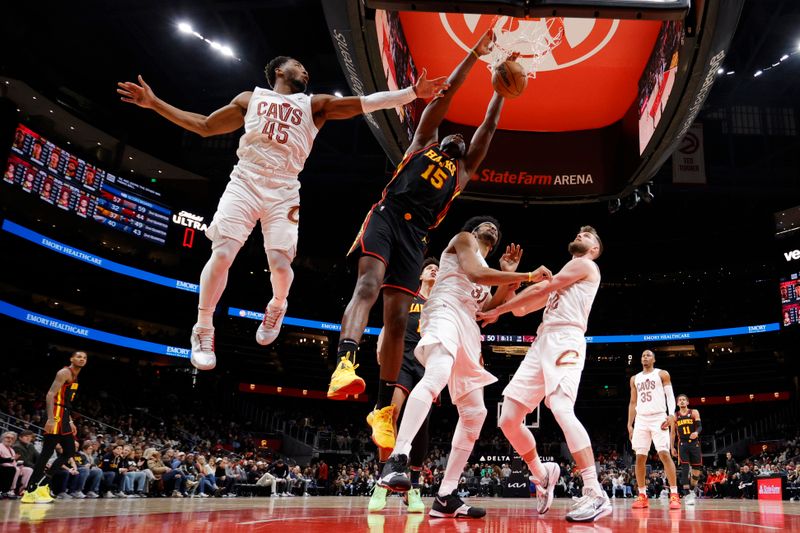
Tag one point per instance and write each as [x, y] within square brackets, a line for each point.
[57, 177]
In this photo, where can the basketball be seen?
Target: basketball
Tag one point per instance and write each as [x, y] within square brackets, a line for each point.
[509, 79]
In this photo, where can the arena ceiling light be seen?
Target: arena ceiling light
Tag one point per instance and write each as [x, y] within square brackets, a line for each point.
[227, 51]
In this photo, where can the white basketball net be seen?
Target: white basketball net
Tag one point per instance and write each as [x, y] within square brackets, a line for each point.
[532, 39]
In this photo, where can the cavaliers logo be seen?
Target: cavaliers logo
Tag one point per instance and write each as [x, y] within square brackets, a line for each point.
[580, 38]
[568, 358]
[294, 214]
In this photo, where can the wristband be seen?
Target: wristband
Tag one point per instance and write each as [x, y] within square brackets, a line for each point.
[475, 54]
[530, 277]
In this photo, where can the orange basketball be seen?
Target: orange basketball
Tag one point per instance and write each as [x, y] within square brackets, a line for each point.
[509, 79]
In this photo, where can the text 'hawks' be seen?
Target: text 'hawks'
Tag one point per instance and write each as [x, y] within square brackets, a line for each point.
[437, 158]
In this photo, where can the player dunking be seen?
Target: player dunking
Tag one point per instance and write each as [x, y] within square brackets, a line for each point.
[392, 240]
[280, 125]
[653, 405]
[690, 456]
[59, 428]
[551, 371]
[450, 351]
[411, 372]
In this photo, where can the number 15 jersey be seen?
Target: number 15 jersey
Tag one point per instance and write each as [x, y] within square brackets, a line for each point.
[423, 186]
[279, 132]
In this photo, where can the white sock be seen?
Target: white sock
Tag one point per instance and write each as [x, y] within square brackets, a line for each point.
[589, 475]
[415, 414]
[452, 473]
[205, 317]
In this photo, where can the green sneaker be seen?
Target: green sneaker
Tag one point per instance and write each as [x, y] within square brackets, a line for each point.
[378, 500]
[415, 504]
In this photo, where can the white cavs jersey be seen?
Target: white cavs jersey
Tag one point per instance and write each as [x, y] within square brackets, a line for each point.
[279, 131]
[454, 287]
[571, 305]
[650, 398]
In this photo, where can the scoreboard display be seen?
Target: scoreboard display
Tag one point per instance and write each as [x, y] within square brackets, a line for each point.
[68, 182]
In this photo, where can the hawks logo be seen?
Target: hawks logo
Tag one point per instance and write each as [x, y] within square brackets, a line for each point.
[581, 38]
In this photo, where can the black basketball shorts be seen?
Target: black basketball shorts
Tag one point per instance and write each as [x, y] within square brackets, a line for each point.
[690, 453]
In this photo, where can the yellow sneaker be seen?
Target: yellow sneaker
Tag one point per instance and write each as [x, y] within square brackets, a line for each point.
[40, 495]
[344, 381]
[415, 504]
[382, 423]
[377, 501]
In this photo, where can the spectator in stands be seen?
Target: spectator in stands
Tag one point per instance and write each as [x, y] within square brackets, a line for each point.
[25, 448]
[87, 483]
[322, 476]
[207, 477]
[281, 473]
[112, 479]
[172, 479]
[747, 483]
[189, 471]
[13, 460]
[65, 474]
[133, 479]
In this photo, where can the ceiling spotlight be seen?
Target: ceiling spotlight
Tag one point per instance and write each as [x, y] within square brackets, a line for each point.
[721, 71]
[226, 51]
[730, 72]
[614, 205]
[784, 57]
[758, 73]
[185, 27]
[215, 45]
[338, 94]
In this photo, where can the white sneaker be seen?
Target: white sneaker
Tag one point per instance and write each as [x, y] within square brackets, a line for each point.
[690, 499]
[270, 327]
[546, 489]
[203, 356]
[592, 506]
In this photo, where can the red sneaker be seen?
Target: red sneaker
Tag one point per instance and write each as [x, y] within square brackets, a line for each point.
[674, 501]
[641, 502]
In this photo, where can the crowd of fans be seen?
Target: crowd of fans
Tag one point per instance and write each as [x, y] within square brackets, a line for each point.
[205, 455]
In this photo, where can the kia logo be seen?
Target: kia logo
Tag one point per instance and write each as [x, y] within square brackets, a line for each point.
[581, 38]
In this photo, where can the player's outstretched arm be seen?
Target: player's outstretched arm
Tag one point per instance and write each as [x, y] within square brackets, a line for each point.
[227, 119]
[509, 262]
[328, 107]
[670, 395]
[465, 247]
[632, 408]
[535, 297]
[479, 146]
[432, 116]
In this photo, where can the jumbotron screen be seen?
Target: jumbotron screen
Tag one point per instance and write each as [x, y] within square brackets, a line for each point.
[790, 300]
[61, 179]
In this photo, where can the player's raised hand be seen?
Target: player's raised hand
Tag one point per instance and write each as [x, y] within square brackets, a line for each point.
[487, 317]
[540, 274]
[510, 260]
[485, 44]
[141, 95]
[668, 422]
[425, 88]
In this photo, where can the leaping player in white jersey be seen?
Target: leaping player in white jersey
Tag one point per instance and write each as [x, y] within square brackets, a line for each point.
[653, 405]
[551, 371]
[450, 351]
[280, 125]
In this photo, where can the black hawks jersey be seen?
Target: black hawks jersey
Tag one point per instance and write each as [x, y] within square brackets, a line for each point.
[413, 327]
[62, 405]
[424, 184]
[686, 425]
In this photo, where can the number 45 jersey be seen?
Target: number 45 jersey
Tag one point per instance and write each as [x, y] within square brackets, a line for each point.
[423, 186]
[279, 132]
